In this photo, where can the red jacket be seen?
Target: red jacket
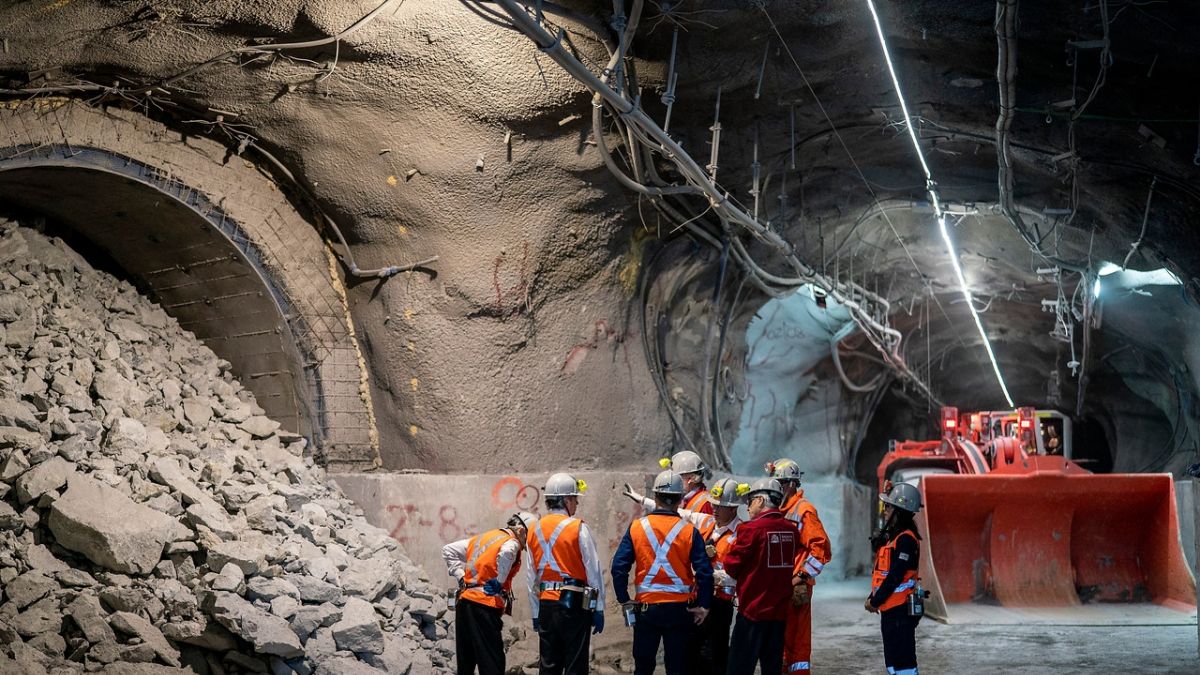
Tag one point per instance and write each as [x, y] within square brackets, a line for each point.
[761, 559]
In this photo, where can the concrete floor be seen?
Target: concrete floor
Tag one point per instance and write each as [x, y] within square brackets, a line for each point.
[846, 642]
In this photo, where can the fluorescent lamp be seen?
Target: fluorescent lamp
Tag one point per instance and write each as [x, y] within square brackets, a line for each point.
[937, 206]
[966, 292]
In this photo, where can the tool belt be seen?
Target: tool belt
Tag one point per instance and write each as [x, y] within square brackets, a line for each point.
[508, 596]
[572, 593]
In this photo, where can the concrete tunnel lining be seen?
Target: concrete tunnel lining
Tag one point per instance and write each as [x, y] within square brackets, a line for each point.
[216, 243]
[185, 262]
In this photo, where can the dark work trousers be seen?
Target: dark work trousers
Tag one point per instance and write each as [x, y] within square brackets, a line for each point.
[669, 623]
[899, 640]
[708, 646]
[477, 638]
[563, 638]
[756, 643]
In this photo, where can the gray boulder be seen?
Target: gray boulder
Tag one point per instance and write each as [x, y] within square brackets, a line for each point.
[109, 528]
[259, 426]
[28, 589]
[132, 624]
[359, 629]
[49, 475]
[266, 588]
[13, 413]
[245, 554]
[269, 634]
[86, 612]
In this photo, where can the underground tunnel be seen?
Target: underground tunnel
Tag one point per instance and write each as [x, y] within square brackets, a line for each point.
[312, 289]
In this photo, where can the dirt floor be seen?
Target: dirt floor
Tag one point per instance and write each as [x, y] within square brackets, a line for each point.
[846, 642]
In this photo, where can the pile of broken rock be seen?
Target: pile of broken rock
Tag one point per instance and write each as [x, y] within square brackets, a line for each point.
[153, 519]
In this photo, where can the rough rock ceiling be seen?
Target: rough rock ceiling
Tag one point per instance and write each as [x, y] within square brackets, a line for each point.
[435, 129]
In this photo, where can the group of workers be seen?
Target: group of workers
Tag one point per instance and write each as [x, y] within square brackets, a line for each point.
[698, 571]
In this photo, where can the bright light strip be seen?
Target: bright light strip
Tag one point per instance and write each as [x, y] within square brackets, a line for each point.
[937, 206]
[962, 284]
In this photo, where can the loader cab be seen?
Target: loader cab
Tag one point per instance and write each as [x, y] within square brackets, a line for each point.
[1051, 432]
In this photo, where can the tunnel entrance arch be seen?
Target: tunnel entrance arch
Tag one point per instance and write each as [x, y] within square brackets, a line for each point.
[215, 242]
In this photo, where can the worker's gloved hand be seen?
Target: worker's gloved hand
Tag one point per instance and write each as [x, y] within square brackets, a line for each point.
[800, 594]
[698, 614]
[632, 494]
[493, 587]
[597, 622]
[537, 626]
[869, 607]
[722, 578]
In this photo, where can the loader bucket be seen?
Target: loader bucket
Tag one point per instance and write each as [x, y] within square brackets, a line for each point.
[1052, 538]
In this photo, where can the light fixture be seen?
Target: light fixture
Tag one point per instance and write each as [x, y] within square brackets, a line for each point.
[938, 211]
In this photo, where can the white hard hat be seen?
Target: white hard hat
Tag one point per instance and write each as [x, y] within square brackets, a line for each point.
[769, 485]
[523, 518]
[563, 485]
[784, 469]
[668, 483]
[687, 461]
[903, 496]
[727, 492]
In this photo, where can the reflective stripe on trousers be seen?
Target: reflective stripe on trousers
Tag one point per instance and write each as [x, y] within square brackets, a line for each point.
[906, 671]
[661, 563]
[798, 666]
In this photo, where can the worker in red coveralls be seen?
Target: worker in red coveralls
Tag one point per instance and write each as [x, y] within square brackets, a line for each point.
[814, 553]
[761, 560]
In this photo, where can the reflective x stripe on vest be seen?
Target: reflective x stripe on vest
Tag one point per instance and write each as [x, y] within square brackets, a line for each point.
[471, 573]
[661, 563]
[547, 546]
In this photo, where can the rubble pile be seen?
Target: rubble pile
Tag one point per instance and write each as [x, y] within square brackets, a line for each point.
[152, 518]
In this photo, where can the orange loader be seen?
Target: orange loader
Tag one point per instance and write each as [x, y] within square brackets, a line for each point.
[1014, 529]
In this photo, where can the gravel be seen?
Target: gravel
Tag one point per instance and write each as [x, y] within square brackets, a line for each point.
[154, 520]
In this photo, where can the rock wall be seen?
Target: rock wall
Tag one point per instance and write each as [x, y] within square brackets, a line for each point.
[152, 518]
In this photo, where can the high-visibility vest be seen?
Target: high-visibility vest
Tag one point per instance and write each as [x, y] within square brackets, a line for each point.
[662, 546]
[697, 500]
[482, 553]
[883, 558]
[707, 525]
[723, 544]
[554, 549]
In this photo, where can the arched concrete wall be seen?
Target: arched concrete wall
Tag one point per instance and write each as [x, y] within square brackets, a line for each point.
[214, 241]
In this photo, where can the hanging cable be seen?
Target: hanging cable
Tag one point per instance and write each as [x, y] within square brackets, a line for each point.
[862, 306]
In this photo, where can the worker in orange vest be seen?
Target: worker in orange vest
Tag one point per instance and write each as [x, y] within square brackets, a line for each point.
[669, 562]
[484, 566]
[894, 585]
[708, 647]
[815, 552]
[694, 472]
[566, 585]
[712, 656]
